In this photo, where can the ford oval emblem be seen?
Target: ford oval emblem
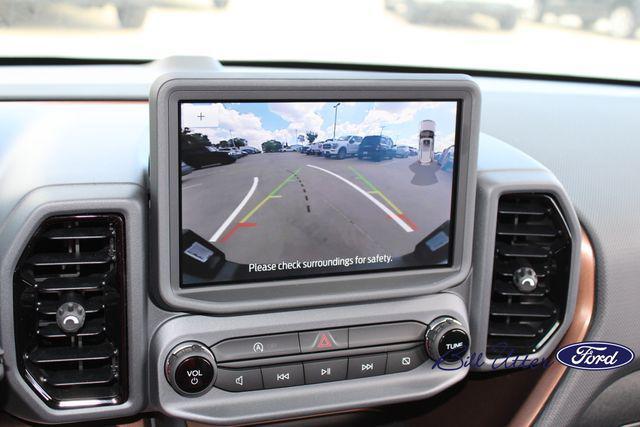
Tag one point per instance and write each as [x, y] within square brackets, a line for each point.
[595, 355]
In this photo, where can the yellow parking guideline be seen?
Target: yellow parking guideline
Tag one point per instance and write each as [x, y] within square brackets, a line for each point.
[273, 195]
[375, 190]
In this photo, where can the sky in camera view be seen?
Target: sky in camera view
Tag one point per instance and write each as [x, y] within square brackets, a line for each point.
[260, 122]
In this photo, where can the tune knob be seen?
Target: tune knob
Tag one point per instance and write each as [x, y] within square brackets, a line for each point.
[446, 340]
[190, 368]
[525, 279]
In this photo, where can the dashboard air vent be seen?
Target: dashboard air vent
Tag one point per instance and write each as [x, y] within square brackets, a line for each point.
[530, 274]
[69, 292]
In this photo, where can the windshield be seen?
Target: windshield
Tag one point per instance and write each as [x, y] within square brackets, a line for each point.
[592, 38]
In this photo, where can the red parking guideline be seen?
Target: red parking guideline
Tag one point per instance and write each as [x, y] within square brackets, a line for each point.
[410, 223]
[236, 228]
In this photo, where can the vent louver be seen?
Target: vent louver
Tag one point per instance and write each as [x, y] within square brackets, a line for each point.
[530, 274]
[72, 273]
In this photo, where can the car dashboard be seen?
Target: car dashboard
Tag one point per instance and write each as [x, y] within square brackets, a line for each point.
[543, 198]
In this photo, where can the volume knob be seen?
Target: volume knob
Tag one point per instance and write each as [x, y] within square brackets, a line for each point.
[190, 368]
[446, 340]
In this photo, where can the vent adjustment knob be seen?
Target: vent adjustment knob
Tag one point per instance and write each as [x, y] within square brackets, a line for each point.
[70, 317]
[446, 340]
[190, 368]
[525, 279]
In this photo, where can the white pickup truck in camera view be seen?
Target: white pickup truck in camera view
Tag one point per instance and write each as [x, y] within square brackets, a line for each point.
[345, 146]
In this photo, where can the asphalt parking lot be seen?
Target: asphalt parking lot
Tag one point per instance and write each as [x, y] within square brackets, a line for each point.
[277, 207]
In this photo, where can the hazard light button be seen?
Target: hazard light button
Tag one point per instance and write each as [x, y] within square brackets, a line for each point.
[326, 340]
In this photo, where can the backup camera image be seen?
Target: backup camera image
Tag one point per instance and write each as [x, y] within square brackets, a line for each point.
[279, 190]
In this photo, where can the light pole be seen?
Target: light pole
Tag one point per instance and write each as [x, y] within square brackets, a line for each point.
[335, 120]
[382, 129]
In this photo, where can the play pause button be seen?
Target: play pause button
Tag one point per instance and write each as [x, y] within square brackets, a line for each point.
[325, 370]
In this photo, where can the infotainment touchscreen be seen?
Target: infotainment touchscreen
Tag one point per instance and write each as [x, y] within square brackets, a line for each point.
[281, 190]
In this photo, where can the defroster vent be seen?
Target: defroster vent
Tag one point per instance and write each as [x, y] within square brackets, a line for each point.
[530, 274]
[70, 311]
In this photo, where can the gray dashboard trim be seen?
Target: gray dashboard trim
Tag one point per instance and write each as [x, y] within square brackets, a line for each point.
[165, 95]
[39, 204]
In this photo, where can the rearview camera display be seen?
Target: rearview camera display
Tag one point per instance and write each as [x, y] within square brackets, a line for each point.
[281, 190]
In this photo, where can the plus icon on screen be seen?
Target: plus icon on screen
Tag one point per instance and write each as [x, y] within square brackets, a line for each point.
[200, 116]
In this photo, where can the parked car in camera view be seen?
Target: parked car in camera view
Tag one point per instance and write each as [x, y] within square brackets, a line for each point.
[315, 148]
[232, 151]
[250, 150]
[446, 158]
[403, 151]
[345, 146]
[292, 148]
[623, 15]
[506, 12]
[377, 148]
[185, 169]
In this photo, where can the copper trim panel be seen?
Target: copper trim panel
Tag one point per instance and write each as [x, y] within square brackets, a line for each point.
[546, 385]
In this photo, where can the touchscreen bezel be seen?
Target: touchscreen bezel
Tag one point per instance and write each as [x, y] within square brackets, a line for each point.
[166, 97]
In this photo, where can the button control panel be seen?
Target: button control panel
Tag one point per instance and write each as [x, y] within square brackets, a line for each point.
[311, 357]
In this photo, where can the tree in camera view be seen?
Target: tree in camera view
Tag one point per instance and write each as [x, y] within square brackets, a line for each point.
[271, 146]
[189, 140]
[312, 136]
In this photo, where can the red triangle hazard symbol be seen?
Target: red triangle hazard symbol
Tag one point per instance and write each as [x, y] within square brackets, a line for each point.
[324, 342]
